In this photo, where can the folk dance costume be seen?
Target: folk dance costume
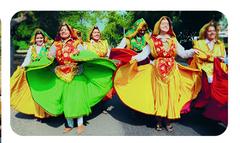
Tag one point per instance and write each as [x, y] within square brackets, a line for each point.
[101, 48]
[71, 84]
[214, 95]
[133, 43]
[21, 98]
[163, 87]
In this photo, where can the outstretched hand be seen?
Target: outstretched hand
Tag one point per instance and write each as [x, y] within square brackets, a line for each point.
[196, 51]
[49, 56]
[133, 58]
[21, 67]
[132, 61]
[221, 59]
[75, 51]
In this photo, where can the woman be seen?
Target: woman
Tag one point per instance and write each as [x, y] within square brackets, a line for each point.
[210, 60]
[96, 44]
[175, 85]
[163, 88]
[210, 47]
[21, 98]
[64, 46]
[135, 41]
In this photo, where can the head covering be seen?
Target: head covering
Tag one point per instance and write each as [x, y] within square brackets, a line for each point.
[137, 26]
[91, 31]
[203, 30]
[79, 35]
[156, 30]
[73, 33]
[47, 39]
[133, 31]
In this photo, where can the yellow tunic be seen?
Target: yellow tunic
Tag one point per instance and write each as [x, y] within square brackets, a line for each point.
[204, 60]
[100, 47]
[161, 89]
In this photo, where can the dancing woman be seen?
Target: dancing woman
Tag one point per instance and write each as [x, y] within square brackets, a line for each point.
[163, 88]
[21, 98]
[211, 58]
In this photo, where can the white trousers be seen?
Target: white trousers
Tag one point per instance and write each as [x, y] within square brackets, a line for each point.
[71, 123]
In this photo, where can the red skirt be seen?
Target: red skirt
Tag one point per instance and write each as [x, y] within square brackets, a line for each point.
[214, 96]
[122, 55]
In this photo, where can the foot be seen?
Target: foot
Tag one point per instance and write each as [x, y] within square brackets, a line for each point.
[80, 129]
[159, 127]
[104, 112]
[110, 108]
[169, 128]
[39, 120]
[66, 130]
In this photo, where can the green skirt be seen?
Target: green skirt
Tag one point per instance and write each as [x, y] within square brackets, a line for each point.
[75, 98]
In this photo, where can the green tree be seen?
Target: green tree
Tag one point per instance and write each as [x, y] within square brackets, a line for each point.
[116, 24]
[111, 23]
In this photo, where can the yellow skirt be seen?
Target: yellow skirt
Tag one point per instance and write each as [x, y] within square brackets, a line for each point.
[21, 99]
[140, 88]
[134, 87]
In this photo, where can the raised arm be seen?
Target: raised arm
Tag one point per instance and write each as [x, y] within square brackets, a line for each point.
[122, 44]
[182, 52]
[108, 52]
[143, 55]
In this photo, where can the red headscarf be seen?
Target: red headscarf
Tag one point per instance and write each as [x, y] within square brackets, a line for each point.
[73, 33]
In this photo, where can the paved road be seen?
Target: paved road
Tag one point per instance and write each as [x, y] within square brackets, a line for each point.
[120, 121]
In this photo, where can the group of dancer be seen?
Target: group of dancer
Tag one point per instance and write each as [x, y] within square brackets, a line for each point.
[68, 76]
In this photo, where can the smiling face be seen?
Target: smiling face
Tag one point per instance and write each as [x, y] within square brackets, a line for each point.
[39, 39]
[96, 34]
[164, 26]
[64, 32]
[211, 33]
[142, 31]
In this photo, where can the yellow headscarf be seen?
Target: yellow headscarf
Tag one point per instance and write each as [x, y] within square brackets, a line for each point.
[90, 33]
[100, 47]
[203, 30]
[156, 30]
[47, 39]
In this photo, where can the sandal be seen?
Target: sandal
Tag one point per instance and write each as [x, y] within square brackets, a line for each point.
[66, 130]
[169, 128]
[104, 112]
[159, 127]
[80, 129]
[39, 120]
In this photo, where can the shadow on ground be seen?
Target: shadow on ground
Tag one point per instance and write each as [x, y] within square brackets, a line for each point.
[194, 119]
[200, 124]
[52, 121]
